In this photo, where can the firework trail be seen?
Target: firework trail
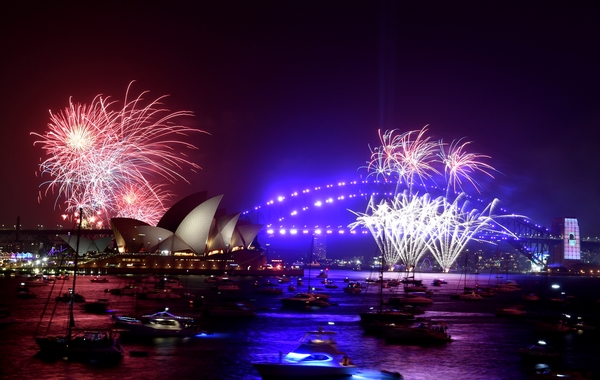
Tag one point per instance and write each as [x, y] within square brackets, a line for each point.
[460, 165]
[100, 155]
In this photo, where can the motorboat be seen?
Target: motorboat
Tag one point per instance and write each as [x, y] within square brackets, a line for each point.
[353, 288]
[540, 351]
[283, 279]
[331, 285]
[304, 300]
[70, 297]
[96, 307]
[530, 297]
[159, 324]
[35, 281]
[24, 292]
[99, 279]
[317, 356]
[322, 274]
[421, 333]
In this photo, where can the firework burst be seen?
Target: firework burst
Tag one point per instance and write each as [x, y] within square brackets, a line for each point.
[100, 155]
[406, 225]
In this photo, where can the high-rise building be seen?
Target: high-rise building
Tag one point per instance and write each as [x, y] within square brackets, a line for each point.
[569, 250]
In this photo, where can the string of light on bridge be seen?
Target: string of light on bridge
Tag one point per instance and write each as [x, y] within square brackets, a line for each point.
[287, 223]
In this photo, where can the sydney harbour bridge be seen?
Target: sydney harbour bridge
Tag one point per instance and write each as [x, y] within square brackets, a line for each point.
[327, 210]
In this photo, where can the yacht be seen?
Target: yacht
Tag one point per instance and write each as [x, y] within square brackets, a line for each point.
[317, 356]
[160, 324]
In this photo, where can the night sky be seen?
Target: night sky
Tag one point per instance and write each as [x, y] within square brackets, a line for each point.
[294, 92]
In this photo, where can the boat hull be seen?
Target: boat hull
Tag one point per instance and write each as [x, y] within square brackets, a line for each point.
[80, 349]
[301, 371]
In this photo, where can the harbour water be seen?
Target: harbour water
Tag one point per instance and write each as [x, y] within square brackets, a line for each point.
[484, 346]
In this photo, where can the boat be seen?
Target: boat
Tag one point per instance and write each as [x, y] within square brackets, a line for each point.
[159, 324]
[304, 301]
[530, 297]
[70, 296]
[99, 279]
[317, 356]
[540, 351]
[353, 288]
[159, 294]
[412, 288]
[510, 311]
[96, 307]
[35, 281]
[230, 310]
[268, 290]
[308, 300]
[421, 333]
[24, 292]
[5, 319]
[468, 294]
[410, 299]
[322, 274]
[331, 285]
[377, 316]
[79, 345]
[127, 290]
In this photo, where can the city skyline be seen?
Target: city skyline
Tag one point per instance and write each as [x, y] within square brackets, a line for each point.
[293, 94]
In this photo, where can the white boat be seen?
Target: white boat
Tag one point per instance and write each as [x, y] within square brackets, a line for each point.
[160, 324]
[317, 356]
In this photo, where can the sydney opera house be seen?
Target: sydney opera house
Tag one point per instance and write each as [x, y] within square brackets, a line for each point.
[194, 236]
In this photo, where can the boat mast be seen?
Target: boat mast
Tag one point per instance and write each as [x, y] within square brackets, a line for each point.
[310, 261]
[381, 285]
[72, 303]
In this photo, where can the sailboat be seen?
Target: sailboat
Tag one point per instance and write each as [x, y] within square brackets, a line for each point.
[309, 299]
[80, 345]
[379, 316]
[467, 293]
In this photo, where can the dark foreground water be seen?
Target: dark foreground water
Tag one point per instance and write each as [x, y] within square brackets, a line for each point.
[484, 347]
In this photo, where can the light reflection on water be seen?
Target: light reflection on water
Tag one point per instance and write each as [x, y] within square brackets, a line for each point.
[484, 346]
